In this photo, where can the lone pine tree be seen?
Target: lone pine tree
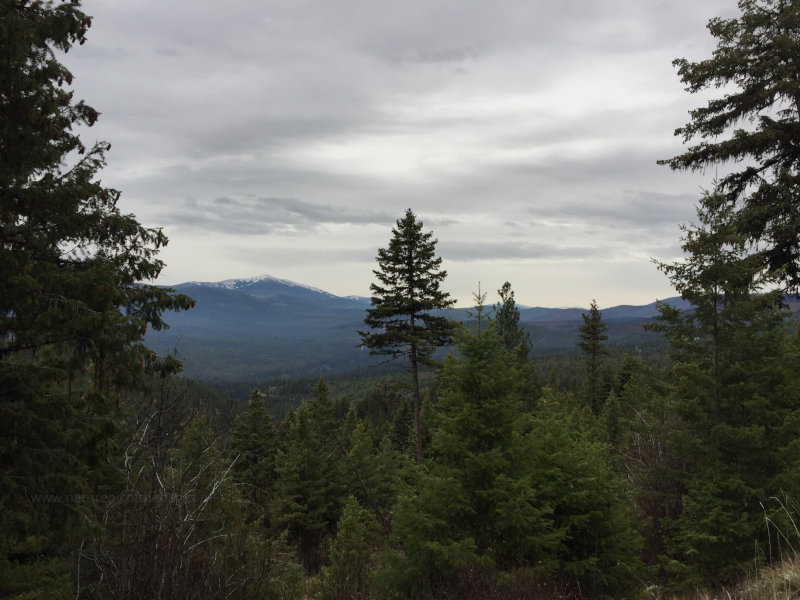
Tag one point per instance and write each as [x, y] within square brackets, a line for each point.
[401, 319]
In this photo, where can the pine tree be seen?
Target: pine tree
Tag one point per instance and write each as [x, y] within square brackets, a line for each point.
[401, 319]
[311, 482]
[590, 340]
[735, 397]
[755, 63]
[73, 308]
[517, 341]
[348, 576]
[506, 315]
[252, 447]
[72, 264]
[371, 472]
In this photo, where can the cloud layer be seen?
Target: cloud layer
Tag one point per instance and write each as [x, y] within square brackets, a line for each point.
[287, 136]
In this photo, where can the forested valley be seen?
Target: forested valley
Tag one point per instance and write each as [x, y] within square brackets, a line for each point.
[467, 466]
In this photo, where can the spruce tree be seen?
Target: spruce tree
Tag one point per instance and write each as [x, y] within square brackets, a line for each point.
[74, 300]
[351, 555]
[252, 450]
[755, 63]
[735, 398]
[310, 486]
[506, 315]
[590, 340]
[402, 318]
[517, 341]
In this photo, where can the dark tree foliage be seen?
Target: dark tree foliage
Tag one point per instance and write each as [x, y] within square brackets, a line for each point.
[590, 340]
[517, 341]
[72, 309]
[402, 318]
[253, 448]
[506, 316]
[351, 556]
[70, 261]
[310, 487]
[735, 399]
[753, 126]
[507, 489]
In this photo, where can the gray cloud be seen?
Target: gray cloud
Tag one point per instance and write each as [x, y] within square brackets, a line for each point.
[517, 130]
[256, 259]
[642, 211]
[488, 251]
[263, 215]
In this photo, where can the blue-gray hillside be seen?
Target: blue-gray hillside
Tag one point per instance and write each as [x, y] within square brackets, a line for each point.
[266, 327]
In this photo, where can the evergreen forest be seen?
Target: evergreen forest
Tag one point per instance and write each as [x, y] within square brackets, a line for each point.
[468, 466]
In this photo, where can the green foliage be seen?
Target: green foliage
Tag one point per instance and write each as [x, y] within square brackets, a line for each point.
[73, 308]
[408, 292]
[372, 472]
[71, 262]
[755, 62]
[735, 398]
[611, 420]
[598, 541]
[351, 555]
[507, 488]
[517, 341]
[401, 319]
[252, 447]
[591, 336]
[506, 315]
[311, 481]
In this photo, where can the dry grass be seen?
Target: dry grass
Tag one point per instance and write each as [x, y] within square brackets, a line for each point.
[779, 582]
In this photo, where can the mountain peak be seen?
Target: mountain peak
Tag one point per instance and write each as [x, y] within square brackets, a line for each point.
[256, 281]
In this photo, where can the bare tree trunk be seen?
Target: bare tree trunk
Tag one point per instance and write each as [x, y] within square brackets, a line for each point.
[417, 403]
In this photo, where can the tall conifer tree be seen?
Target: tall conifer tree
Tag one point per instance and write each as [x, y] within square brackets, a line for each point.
[517, 341]
[755, 63]
[402, 320]
[73, 310]
[310, 468]
[736, 399]
[590, 340]
[506, 316]
[253, 447]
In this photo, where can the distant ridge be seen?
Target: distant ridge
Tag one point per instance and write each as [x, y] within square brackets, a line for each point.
[261, 327]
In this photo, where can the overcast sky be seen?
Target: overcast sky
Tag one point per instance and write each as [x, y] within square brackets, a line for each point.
[285, 137]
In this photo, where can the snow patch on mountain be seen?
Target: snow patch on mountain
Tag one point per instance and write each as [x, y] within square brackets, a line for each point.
[242, 283]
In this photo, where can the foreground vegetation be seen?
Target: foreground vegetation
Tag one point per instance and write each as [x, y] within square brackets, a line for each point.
[524, 490]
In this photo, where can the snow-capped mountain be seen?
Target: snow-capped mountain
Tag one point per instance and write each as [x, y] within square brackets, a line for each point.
[255, 283]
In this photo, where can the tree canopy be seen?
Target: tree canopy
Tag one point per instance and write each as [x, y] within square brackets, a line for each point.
[736, 419]
[754, 126]
[74, 302]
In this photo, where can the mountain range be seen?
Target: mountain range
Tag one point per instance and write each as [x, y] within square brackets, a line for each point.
[265, 327]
